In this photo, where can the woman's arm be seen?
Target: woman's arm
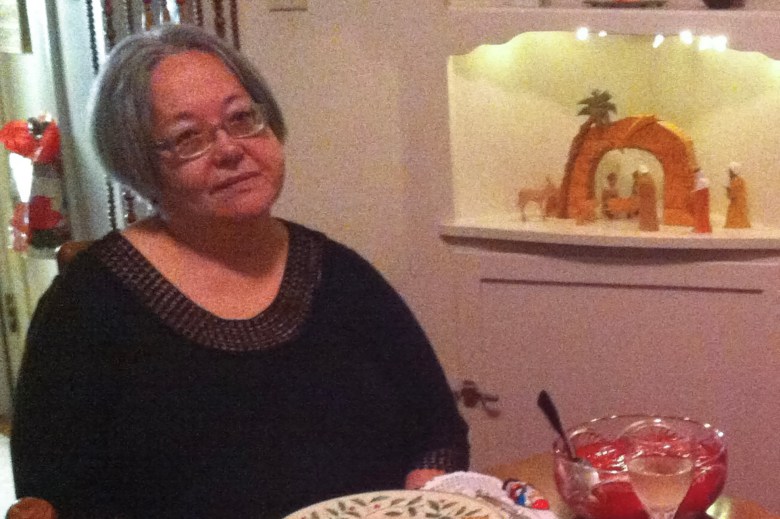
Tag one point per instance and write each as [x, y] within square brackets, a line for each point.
[419, 477]
[440, 434]
[58, 443]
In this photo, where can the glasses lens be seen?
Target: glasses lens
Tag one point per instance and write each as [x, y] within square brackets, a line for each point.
[245, 123]
[192, 143]
[195, 140]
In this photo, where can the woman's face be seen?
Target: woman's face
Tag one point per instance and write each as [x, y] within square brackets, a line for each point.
[237, 178]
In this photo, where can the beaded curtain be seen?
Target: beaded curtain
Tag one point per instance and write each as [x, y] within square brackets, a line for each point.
[111, 20]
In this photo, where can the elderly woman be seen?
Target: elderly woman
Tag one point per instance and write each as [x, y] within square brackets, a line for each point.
[212, 360]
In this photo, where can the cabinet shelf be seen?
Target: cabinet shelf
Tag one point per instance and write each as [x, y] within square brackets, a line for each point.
[747, 29]
[608, 234]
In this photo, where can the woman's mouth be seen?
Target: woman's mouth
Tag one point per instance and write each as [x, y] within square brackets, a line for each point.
[234, 180]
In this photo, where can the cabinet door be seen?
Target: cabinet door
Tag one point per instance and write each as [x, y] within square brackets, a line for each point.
[685, 338]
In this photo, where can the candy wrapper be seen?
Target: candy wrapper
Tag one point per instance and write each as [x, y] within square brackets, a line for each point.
[525, 494]
[523, 498]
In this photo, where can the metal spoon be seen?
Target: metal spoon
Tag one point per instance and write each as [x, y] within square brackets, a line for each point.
[584, 475]
[547, 406]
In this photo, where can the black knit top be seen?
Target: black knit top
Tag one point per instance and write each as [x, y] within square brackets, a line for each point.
[135, 402]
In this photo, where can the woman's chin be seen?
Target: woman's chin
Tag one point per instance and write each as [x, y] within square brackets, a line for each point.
[242, 208]
[248, 207]
[239, 216]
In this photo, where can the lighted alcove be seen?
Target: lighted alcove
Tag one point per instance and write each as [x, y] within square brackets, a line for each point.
[513, 115]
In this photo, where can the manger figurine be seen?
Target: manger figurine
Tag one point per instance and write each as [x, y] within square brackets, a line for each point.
[627, 206]
[737, 213]
[701, 203]
[613, 205]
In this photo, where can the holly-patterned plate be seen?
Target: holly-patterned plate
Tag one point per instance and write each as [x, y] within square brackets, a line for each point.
[399, 504]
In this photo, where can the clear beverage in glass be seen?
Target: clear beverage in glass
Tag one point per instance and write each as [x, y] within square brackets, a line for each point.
[660, 466]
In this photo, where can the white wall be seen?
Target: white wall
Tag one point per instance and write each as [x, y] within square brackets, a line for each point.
[26, 87]
[335, 70]
[364, 88]
[364, 160]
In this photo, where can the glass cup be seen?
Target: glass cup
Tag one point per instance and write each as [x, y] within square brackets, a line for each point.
[660, 462]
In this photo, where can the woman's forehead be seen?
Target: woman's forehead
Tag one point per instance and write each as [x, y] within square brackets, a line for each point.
[195, 83]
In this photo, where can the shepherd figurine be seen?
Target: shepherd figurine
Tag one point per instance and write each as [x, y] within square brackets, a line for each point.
[737, 213]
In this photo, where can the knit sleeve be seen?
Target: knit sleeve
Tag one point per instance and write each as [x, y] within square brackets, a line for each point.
[400, 344]
[58, 445]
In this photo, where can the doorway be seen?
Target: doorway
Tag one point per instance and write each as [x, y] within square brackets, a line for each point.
[26, 89]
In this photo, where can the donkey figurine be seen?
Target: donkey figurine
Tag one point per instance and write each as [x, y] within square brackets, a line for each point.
[542, 196]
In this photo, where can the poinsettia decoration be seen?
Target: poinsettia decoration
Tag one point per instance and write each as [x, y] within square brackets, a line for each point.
[39, 222]
[37, 138]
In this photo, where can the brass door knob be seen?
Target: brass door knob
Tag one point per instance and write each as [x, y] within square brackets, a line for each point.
[471, 396]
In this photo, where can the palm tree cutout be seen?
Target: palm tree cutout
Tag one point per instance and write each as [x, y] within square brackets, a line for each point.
[597, 107]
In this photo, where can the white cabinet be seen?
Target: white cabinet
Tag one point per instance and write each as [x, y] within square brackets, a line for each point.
[622, 331]
[609, 319]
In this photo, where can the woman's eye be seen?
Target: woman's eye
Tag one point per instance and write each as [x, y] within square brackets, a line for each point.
[242, 119]
[241, 115]
[187, 136]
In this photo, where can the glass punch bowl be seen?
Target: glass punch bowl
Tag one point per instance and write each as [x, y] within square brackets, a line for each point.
[604, 491]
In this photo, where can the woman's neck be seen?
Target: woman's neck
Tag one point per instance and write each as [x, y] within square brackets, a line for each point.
[250, 246]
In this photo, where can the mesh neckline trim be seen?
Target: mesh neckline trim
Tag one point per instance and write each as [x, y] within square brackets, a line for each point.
[280, 323]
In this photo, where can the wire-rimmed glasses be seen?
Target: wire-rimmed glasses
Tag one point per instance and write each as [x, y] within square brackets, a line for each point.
[190, 139]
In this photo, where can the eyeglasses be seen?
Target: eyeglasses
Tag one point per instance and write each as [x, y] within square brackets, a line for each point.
[194, 138]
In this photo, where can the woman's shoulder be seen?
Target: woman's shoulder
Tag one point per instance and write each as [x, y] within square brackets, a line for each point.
[81, 299]
[345, 277]
[334, 255]
[85, 256]
[85, 276]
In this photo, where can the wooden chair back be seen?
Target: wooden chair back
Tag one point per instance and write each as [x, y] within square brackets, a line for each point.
[69, 250]
[31, 508]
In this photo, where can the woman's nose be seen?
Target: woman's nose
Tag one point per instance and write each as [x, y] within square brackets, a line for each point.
[226, 148]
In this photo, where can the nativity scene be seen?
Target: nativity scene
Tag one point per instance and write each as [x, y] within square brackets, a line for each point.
[675, 188]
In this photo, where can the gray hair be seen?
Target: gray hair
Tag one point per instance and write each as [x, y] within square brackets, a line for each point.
[120, 107]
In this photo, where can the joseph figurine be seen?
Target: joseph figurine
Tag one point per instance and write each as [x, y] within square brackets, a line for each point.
[645, 190]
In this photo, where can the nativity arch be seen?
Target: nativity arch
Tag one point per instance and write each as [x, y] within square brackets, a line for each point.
[673, 149]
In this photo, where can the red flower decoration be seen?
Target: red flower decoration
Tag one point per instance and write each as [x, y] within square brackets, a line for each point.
[49, 145]
[16, 137]
[42, 215]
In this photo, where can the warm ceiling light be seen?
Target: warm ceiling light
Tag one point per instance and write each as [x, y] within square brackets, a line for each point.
[659, 39]
[582, 33]
[705, 42]
[720, 43]
[686, 37]
[602, 33]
